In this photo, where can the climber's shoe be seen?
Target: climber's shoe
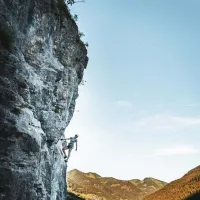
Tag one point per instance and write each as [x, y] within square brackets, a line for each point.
[65, 158]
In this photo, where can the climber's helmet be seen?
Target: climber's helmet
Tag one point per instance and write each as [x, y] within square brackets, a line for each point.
[76, 136]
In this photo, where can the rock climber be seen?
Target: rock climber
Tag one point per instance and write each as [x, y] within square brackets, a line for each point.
[69, 146]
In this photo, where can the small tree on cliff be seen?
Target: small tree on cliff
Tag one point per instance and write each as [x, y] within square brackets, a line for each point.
[75, 17]
[71, 2]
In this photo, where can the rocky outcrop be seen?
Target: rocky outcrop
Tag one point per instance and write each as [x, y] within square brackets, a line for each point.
[42, 61]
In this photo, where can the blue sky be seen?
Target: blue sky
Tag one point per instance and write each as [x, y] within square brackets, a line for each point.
[138, 113]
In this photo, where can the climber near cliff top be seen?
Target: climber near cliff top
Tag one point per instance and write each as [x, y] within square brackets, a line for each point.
[69, 146]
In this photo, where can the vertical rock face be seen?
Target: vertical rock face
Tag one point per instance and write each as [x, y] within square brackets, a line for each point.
[42, 61]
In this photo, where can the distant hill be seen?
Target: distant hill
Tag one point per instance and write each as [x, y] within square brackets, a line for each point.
[180, 189]
[92, 186]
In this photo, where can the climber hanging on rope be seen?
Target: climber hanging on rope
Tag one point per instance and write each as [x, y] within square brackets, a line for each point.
[69, 146]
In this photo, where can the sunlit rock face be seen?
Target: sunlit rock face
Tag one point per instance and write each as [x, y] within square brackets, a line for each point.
[42, 62]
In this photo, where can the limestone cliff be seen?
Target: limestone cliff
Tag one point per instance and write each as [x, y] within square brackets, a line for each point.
[42, 61]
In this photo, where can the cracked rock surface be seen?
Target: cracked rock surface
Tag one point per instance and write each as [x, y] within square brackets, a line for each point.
[42, 61]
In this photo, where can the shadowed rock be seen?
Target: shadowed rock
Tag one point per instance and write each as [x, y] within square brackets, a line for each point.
[71, 196]
[194, 197]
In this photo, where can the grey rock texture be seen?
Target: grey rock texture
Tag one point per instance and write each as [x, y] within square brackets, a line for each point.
[42, 61]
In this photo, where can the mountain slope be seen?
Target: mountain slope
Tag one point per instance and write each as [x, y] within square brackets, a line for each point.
[92, 186]
[179, 189]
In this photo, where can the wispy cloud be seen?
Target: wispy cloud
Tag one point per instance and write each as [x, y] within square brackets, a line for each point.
[162, 123]
[123, 103]
[176, 150]
[192, 105]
